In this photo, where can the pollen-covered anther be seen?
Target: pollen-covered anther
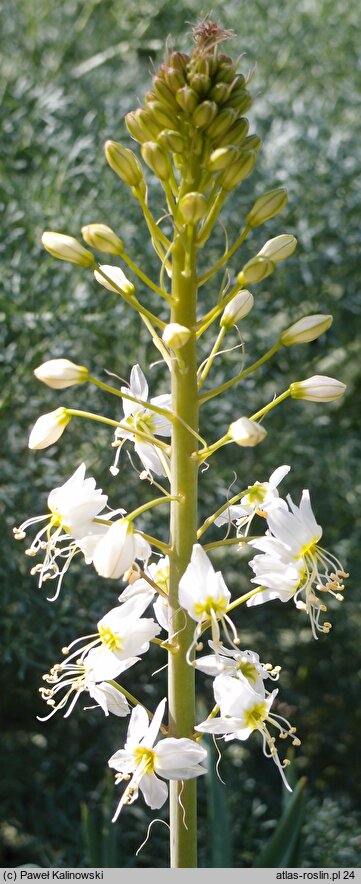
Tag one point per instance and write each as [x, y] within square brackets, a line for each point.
[300, 605]
[286, 762]
[19, 535]
[199, 646]
[296, 741]
[30, 552]
[65, 650]
[339, 597]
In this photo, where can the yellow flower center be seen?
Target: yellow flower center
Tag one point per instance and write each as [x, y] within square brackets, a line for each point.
[309, 548]
[254, 716]
[210, 605]
[162, 578]
[111, 641]
[255, 495]
[248, 670]
[145, 757]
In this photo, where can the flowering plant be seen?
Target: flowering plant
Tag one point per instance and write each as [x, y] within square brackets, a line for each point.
[193, 137]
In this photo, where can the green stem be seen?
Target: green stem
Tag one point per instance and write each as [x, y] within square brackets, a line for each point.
[133, 701]
[131, 300]
[228, 541]
[211, 218]
[270, 405]
[76, 412]
[227, 255]
[211, 519]
[148, 506]
[210, 317]
[183, 535]
[242, 374]
[209, 362]
[148, 282]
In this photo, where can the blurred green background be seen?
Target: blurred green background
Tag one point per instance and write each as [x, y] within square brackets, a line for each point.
[70, 72]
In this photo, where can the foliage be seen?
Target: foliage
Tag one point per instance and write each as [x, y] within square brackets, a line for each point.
[70, 72]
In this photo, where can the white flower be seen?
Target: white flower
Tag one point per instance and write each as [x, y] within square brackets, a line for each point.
[103, 238]
[246, 433]
[204, 594]
[140, 761]
[294, 564]
[257, 500]
[279, 248]
[238, 664]
[86, 674]
[72, 508]
[158, 572]
[61, 373]
[118, 549]
[305, 330]
[139, 417]
[319, 388]
[48, 428]
[176, 335]
[67, 248]
[116, 279]
[237, 309]
[244, 710]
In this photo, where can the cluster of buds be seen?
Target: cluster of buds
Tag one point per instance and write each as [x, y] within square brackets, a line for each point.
[194, 116]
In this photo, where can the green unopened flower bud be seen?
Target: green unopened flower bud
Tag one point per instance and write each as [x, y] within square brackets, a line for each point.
[220, 92]
[175, 335]
[171, 140]
[239, 170]
[255, 270]
[226, 71]
[141, 126]
[124, 162]
[193, 207]
[200, 83]
[267, 206]
[174, 79]
[103, 238]
[246, 433]
[279, 248]
[179, 60]
[235, 135]
[222, 157]
[162, 116]
[61, 373]
[237, 309]
[319, 388]
[222, 122]
[116, 279]
[134, 128]
[187, 99]
[305, 330]
[157, 160]
[67, 248]
[163, 93]
[48, 429]
[204, 114]
[241, 100]
[252, 142]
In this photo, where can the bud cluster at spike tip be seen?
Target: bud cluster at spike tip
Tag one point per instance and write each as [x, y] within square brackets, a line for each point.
[196, 107]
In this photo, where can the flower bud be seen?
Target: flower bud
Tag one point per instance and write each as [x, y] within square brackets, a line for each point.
[193, 207]
[61, 373]
[48, 428]
[164, 94]
[237, 309]
[246, 432]
[204, 114]
[117, 277]
[187, 99]
[239, 170]
[319, 388]
[171, 140]
[241, 100]
[267, 206]
[103, 238]
[220, 93]
[255, 270]
[279, 248]
[174, 79]
[124, 162]
[66, 248]
[175, 335]
[305, 330]
[162, 116]
[200, 83]
[135, 125]
[222, 157]
[222, 122]
[252, 142]
[157, 160]
[235, 135]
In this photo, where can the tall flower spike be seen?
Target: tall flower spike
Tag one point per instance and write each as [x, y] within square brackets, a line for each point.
[142, 760]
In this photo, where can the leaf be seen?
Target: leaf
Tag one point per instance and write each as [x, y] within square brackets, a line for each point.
[282, 848]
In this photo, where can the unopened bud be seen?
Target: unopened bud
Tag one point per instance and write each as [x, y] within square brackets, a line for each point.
[204, 114]
[103, 238]
[246, 433]
[279, 248]
[267, 206]
[319, 388]
[222, 157]
[239, 170]
[157, 160]
[67, 248]
[187, 99]
[252, 142]
[61, 373]
[200, 83]
[255, 270]
[305, 330]
[116, 279]
[220, 92]
[235, 135]
[137, 127]
[171, 140]
[48, 428]
[124, 162]
[163, 93]
[241, 100]
[222, 122]
[162, 115]
[175, 335]
[193, 207]
[174, 78]
[237, 309]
